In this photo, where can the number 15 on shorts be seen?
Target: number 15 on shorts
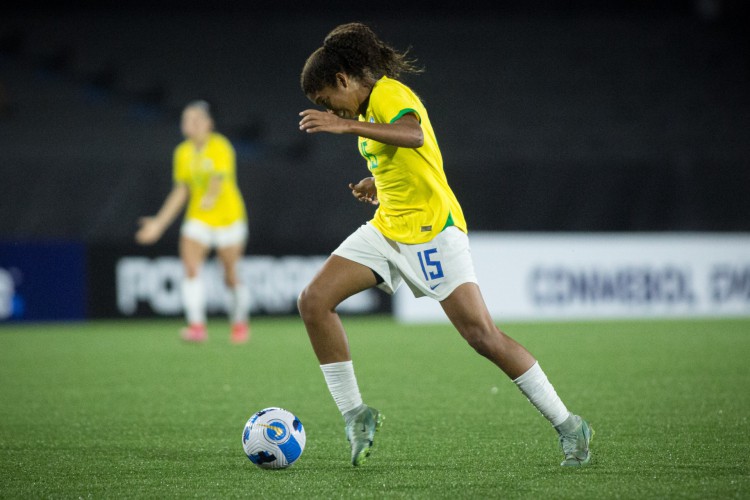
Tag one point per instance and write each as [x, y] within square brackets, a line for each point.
[429, 261]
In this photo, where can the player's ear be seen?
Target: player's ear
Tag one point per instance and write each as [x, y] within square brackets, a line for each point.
[342, 80]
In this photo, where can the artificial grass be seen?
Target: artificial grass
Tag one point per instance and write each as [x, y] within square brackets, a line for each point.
[122, 409]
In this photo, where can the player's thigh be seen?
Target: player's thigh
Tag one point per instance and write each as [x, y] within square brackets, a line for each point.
[466, 309]
[193, 254]
[337, 280]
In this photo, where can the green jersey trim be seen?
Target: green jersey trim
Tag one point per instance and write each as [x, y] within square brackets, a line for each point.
[406, 112]
[448, 223]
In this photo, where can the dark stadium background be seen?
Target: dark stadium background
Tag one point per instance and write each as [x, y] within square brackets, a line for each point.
[558, 116]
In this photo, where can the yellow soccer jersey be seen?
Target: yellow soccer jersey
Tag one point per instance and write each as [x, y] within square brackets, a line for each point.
[196, 168]
[416, 202]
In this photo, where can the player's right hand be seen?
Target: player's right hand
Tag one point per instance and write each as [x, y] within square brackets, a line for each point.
[314, 120]
[150, 231]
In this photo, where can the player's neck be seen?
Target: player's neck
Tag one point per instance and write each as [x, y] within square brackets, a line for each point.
[198, 143]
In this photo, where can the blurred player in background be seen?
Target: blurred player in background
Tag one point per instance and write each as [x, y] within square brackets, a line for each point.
[418, 234]
[205, 179]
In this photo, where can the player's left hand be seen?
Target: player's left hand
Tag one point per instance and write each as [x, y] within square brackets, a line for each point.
[208, 202]
[365, 191]
[314, 120]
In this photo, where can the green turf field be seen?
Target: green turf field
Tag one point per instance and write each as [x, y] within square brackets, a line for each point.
[123, 409]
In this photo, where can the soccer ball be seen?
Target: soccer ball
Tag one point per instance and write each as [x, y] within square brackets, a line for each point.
[273, 438]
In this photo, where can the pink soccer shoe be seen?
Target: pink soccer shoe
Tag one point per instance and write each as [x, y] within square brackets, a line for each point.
[194, 333]
[240, 333]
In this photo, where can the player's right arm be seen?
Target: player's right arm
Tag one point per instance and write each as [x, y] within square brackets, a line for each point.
[153, 227]
[406, 132]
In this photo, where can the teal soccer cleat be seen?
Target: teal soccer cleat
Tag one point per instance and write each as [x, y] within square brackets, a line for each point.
[360, 432]
[575, 445]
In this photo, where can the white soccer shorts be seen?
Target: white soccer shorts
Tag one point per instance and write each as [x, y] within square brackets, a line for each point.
[215, 237]
[434, 269]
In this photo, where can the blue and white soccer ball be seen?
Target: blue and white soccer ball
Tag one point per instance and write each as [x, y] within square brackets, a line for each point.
[273, 438]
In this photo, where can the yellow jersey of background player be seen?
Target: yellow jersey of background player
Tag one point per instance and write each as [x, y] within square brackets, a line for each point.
[196, 167]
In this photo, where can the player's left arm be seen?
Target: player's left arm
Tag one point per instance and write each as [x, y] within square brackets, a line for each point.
[365, 190]
[406, 132]
[223, 163]
[212, 193]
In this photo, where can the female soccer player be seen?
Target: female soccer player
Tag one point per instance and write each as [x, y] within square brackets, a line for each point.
[418, 234]
[205, 179]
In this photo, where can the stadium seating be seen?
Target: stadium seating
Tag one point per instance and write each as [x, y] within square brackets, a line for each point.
[590, 123]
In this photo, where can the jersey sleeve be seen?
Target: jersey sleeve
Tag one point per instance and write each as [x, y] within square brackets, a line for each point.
[223, 157]
[393, 102]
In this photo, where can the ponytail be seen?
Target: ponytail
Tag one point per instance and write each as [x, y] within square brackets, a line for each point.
[356, 50]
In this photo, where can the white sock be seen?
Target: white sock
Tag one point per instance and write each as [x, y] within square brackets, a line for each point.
[343, 385]
[535, 386]
[193, 299]
[239, 304]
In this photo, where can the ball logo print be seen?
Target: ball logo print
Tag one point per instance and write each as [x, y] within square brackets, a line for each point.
[275, 431]
[273, 438]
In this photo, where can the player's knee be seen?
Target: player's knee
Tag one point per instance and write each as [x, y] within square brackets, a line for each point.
[310, 303]
[230, 280]
[302, 303]
[479, 343]
[191, 272]
[482, 338]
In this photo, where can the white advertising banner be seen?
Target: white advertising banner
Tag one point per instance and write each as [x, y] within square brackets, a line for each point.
[548, 276]
[274, 284]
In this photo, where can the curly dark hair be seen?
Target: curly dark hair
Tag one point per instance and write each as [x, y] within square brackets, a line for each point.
[354, 49]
